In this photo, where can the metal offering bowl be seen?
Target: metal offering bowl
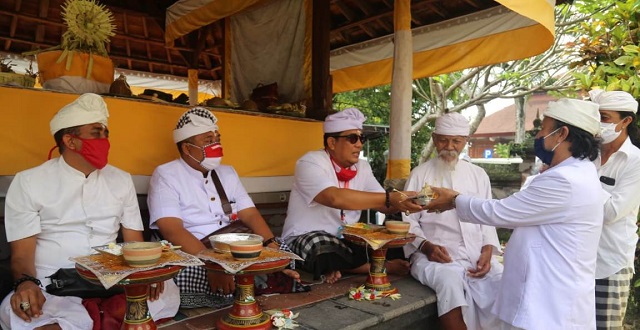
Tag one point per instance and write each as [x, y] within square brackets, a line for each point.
[220, 243]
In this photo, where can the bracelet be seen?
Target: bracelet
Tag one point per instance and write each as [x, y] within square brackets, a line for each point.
[271, 240]
[387, 201]
[25, 278]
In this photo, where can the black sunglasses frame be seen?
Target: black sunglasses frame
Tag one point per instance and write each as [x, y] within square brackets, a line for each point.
[352, 138]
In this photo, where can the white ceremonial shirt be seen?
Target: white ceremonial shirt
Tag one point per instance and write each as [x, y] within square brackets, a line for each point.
[315, 173]
[179, 191]
[620, 233]
[463, 241]
[549, 263]
[69, 212]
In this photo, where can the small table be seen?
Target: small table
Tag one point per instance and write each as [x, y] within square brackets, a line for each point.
[245, 313]
[136, 288]
[377, 278]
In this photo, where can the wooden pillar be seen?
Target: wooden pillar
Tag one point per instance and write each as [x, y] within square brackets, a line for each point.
[321, 86]
[399, 164]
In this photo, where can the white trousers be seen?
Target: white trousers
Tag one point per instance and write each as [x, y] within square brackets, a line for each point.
[70, 314]
[455, 289]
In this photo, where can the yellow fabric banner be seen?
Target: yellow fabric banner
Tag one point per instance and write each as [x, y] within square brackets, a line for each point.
[141, 134]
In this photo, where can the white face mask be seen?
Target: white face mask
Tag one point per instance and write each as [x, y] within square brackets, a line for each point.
[212, 155]
[211, 163]
[609, 133]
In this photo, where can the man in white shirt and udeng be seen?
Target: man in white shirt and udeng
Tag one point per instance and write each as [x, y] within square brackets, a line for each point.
[61, 209]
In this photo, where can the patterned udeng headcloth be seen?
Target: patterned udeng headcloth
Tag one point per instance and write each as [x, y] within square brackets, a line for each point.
[195, 121]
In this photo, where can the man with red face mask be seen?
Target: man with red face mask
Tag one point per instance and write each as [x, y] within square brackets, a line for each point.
[195, 196]
[61, 209]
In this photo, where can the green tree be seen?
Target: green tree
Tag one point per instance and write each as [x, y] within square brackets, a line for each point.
[606, 46]
[608, 57]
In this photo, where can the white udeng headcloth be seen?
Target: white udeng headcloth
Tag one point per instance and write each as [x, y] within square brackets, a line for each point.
[88, 108]
[452, 123]
[614, 101]
[195, 121]
[344, 120]
[581, 114]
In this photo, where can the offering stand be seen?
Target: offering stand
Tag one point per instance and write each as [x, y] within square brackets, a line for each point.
[136, 288]
[378, 241]
[245, 313]
[109, 269]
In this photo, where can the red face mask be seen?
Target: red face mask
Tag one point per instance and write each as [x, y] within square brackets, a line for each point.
[95, 151]
[213, 150]
[344, 174]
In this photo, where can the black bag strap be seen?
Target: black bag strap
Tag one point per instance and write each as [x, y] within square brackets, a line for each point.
[226, 206]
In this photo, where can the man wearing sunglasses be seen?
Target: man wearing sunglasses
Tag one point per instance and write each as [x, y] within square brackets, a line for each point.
[330, 188]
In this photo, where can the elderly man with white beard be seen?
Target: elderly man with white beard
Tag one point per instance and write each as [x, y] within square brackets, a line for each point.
[454, 258]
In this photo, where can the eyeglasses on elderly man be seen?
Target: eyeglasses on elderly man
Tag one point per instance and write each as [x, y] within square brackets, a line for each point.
[352, 138]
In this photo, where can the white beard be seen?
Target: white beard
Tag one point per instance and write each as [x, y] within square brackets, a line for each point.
[444, 168]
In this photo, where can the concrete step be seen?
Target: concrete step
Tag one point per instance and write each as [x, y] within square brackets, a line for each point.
[327, 306]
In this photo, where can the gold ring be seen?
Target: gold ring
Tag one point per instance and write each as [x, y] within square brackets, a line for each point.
[153, 285]
[25, 305]
[407, 213]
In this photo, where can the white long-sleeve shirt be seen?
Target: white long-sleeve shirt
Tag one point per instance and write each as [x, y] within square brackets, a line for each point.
[549, 263]
[619, 233]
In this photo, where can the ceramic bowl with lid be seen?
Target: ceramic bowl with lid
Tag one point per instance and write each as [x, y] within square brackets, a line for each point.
[246, 250]
[397, 227]
[142, 254]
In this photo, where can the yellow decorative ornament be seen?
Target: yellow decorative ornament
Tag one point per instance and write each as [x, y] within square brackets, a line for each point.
[89, 27]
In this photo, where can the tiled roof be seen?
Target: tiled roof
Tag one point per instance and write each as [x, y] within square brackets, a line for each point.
[503, 122]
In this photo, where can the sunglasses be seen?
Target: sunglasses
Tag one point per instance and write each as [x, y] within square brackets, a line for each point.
[352, 138]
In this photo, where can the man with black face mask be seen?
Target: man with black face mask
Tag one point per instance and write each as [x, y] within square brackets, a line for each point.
[61, 209]
[550, 260]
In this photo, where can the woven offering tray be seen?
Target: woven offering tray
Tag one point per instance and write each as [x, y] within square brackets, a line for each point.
[233, 266]
[376, 237]
[111, 269]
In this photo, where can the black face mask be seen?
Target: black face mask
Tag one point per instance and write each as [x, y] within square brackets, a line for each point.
[544, 155]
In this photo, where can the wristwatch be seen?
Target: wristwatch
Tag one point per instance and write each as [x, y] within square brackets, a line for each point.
[453, 201]
[270, 240]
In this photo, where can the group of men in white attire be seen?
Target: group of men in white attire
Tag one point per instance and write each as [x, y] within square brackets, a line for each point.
[550, 265]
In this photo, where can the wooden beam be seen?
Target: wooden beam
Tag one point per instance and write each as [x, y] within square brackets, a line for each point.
[113, 56]
[155, 42]
[13, 26]
[127, 45]
[382, 15]
[43, 12]
[145, 31]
